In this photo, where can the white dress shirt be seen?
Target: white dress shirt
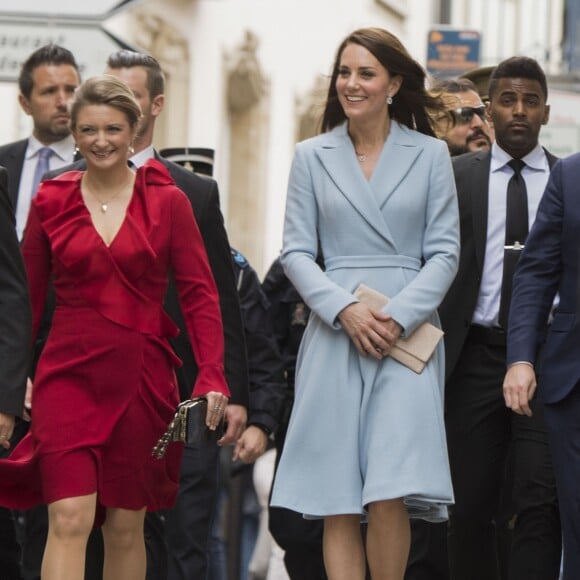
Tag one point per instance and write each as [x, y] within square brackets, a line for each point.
[64, 152]
[142, 157]
[535, 173]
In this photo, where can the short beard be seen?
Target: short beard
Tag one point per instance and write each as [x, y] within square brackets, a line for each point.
[455, 149]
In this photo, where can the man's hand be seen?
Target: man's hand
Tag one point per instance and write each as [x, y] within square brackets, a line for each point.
[6, 429]
[250, 445]
[235, 417]
[519, 387]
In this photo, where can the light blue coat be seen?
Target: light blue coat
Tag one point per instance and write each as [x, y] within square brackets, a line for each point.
[363, 430]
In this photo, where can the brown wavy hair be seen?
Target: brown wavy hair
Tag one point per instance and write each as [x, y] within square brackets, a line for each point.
[412, 106]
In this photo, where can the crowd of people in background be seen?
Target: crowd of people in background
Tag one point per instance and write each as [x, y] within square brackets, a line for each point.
[120, 296]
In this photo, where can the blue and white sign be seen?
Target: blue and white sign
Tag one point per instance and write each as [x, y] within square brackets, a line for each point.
[452, 52]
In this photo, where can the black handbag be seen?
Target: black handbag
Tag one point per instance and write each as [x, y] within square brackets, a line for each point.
[188, 426]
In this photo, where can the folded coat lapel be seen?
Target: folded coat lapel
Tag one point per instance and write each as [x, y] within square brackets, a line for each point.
[396, 159]
[338, 158]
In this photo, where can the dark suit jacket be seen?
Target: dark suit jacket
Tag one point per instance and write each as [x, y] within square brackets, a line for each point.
[15, 313]
[12, 158]
[456, 311]
[550, 263]
[204, 197]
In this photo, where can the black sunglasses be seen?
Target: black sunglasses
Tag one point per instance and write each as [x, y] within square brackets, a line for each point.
[465, 114]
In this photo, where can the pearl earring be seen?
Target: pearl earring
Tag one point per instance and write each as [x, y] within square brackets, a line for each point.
[389, 100]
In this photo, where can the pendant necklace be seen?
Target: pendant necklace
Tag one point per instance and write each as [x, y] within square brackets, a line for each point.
[361, 157]
[105, 205]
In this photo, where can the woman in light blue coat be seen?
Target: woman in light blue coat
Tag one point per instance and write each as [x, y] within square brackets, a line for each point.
[375, 193]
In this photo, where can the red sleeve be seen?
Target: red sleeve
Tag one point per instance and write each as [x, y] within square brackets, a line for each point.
[198, 297]
[37, 260]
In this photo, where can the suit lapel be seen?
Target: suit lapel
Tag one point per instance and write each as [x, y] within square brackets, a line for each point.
[13, 163]
[480, 204]
[551, 158]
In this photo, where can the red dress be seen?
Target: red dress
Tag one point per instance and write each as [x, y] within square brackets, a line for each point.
[105, 390]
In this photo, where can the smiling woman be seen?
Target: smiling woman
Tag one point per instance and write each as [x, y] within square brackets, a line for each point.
[374, 195]
[105, 390]
[104, 132]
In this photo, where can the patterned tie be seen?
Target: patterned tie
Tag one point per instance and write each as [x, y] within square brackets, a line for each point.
[516, 232]
[44, 154]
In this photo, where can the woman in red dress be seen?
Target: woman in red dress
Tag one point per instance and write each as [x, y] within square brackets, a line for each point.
[105, 390]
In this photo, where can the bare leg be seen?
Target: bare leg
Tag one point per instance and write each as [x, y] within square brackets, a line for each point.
[343, 549]
[124, 540]
[70, 522]
[388, 539]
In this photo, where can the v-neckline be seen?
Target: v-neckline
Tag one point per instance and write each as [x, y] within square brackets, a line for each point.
[90, 216]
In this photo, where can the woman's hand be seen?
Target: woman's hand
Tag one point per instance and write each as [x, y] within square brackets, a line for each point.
[216, 408]
[27, 411]
[372, 331]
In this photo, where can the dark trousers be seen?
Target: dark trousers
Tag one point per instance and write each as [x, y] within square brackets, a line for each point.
[188, 523]
[10, 550]
[9, 547]
[502, 475]
[428, 552]
[563, 422]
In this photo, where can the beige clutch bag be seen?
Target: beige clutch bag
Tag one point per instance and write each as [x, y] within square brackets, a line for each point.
[412, 351]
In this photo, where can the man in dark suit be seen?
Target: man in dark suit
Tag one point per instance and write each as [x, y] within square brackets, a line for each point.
[464, 127]
[47, 81]
[15, 335]
[550, 266]
[188, 524]
[500, 462]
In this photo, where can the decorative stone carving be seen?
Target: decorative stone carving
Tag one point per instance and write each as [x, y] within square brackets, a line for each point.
[161, 39]
[309, 109]
[246, 84]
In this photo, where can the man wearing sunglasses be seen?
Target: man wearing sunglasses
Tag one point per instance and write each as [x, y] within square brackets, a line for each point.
[465, 128]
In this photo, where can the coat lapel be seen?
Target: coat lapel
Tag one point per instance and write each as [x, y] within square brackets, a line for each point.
[397, 158]
[338, 158]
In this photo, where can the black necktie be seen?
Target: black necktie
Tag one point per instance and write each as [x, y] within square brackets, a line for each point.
[516, 232]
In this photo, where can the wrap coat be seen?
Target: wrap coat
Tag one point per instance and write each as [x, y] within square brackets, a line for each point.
[364, 430]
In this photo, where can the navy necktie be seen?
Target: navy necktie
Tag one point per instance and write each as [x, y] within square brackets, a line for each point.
[516, 232]
[44, 154]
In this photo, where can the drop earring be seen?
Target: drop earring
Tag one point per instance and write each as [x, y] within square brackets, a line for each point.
[389, 100]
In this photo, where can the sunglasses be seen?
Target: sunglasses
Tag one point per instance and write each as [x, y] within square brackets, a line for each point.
[465, 114]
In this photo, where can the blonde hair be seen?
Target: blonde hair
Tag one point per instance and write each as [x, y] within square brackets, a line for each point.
[106, 90]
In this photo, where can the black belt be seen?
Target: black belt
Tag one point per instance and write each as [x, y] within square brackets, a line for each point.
[492, 335]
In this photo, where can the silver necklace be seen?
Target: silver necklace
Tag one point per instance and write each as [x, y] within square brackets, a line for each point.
[361, 157]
